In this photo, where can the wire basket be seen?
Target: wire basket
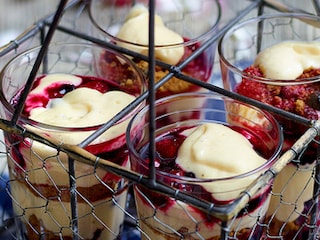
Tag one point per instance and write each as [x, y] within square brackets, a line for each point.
[75, 27]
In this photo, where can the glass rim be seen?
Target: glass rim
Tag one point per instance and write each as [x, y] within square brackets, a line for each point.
[238, 71]
[25, 120]
[186, 43]
[206, 95]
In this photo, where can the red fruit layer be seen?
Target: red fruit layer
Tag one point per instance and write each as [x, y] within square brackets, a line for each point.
[198, 68]
[118, 3]
[166, 152]
[295, 98]
[113, 150]
[59, 89]
[301, 99]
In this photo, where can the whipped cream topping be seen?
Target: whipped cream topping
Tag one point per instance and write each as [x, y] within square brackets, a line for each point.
[136, 30]
[81, 107]
[214, 151]
[288, 60]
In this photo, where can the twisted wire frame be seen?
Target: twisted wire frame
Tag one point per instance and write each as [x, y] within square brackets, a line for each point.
[227, 213]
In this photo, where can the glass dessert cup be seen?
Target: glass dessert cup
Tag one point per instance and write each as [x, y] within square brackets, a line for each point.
[181, 28]
[262, 66]
[39, 174]
[162, 217]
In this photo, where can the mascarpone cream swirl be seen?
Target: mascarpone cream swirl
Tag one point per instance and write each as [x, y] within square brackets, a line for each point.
[136, 31]
[81, 107]
[288, 60]
[206, 152]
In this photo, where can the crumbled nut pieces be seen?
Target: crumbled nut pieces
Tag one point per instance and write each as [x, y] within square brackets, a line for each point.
[275, 90]
[301, 99]
[174, 85]
[310, 72]
[300, 106]
[119, 72]
[127, 82]
[288, 229]
[241, 234]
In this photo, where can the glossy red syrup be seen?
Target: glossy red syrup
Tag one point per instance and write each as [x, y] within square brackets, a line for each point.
[113, 150]
[301, 99]
[167, 147]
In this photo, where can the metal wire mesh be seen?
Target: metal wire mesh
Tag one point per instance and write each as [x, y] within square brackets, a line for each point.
[56, 197]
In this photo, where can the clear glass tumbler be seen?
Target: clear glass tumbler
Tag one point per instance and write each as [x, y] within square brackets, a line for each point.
[181, 27]
[68, 101]
[210, 165]
[275, 59]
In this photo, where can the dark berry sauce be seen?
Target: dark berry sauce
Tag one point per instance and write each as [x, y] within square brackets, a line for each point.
[298, 99]
[59, 89]
[166, 152]
[301, 99]
[113, 150]
[199, 67]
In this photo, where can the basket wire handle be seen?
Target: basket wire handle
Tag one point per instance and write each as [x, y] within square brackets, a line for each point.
[38, 61]
[151, 97]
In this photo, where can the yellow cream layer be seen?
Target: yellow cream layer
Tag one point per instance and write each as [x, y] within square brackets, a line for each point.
[81, 107]
[291, 188]
[288, 60]
[182, 216]
[55, 215]
[214, 151]
[136, 31]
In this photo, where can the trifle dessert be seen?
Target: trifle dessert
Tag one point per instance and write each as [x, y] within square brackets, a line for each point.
[181, 27]
[194, 155]
[284, 73]
[68, 108]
